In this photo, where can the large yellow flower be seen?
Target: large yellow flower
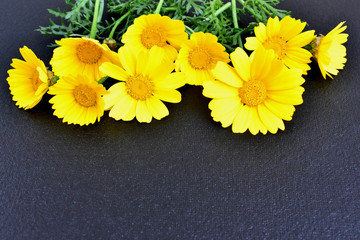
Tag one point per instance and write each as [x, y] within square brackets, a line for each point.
[28, 80]
[329, 51]
[78, 100]
[81, 56]
[198, 56]
[286, 39]
[146, 81]
[156, 30]
[257, 94]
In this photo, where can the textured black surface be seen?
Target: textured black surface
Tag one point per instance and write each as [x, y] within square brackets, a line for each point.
[184, 177]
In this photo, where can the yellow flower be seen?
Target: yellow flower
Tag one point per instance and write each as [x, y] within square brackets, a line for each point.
[81, 56]
[198, 56]
[329, 51]
[286, 39]
[146, 79]
[28, 80]
[156, 30]
[78, 100]
[257, 94]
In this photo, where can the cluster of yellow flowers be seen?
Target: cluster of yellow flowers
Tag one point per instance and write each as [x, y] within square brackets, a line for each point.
[253, 92]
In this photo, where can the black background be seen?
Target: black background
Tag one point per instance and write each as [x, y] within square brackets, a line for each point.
[184, 177]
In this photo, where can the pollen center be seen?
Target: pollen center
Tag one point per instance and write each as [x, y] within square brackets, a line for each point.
[253, 93]
[35, 81]
[88, 52]
[200, 59]
[152, 37]
[139, 87]
[278, 44]
[85, 95]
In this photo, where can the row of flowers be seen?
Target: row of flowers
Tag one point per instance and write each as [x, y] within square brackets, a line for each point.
[255, 92]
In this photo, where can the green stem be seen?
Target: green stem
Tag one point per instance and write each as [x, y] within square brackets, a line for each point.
[102, 80]
[159, 6]
[191, 31]
[222, 9]
[117, 24]
[235, 20]
[95, 19]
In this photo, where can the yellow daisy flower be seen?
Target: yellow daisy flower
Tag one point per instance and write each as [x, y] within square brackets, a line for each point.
[198, 56]
[257, 94]
[81, 56]
[156, 30]
[146, 81]
[286, 39]
[329, 51]
[28, 80]
[78, 100]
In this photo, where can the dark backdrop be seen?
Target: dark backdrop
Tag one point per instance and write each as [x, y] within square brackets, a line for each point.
[184, 177]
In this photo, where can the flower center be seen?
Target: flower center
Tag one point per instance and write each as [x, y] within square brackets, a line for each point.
[152, 37]
[35, 81]
[88, 52]
[253, 93]
[139, 87]
[278, 44]
[85, 95]
[200, 59]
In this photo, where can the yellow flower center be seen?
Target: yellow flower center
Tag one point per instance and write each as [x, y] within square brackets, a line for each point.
[35, 81]
[85, 95]
[88, 52]
[152, 37]
[253, 93]
[200, 59]
[278, 44]
[139, 87]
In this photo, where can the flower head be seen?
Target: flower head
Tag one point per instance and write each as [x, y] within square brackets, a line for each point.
[199, 56]
[330, 52]
[257, 94]
[286, 39]
[78, 100]
[156, 30]
[81, 56]
[146, 81]
[28, 80]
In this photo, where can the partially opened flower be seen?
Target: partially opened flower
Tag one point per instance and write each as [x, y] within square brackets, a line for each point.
[28, 80]
[156, 30]
[330, 52]
[257, 94]
[286, 38]
[81, 56]
[198, 56]
[78, 100]
[146, 81]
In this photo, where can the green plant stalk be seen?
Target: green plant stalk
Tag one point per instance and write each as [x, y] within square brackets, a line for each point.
[95, 20]
[102, 80]
[222, 9]
[159, 6]
[111, 35]
[235, 20]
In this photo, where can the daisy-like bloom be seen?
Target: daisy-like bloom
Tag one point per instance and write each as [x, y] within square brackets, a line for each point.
[198, 56]
[257, 94]
[81, 56]
[28, 80]
[146, 81]
[78, 100]
[286, 38]
[156, 30]
[329, 51]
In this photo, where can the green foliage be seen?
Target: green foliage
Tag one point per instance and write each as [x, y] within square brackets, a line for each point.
[215, 16]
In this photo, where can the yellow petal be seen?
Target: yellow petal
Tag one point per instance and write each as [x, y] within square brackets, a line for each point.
[217, 89]
[226, 74]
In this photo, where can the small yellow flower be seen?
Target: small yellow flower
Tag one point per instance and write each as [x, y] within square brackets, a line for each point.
[156, 30]
[28, 80]
[257, 94]
[78, 100]
[286, 39]
[146, 81]
[329, 51]
[198, 56]
[81, 56]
